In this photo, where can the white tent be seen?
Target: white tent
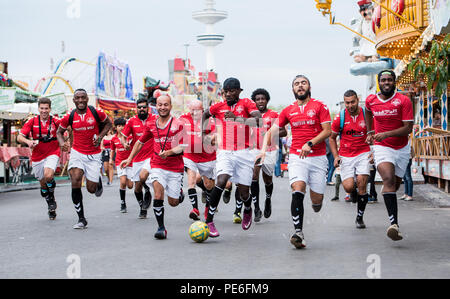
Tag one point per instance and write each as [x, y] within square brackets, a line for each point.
[19, 111]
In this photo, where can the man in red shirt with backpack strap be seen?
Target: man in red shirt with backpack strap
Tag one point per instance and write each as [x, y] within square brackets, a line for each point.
[89, 126]
[354, 152]
[46, 152]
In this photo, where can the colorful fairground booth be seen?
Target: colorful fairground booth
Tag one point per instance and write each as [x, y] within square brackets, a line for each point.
[17, 105]
[416, 32]
[114, 86]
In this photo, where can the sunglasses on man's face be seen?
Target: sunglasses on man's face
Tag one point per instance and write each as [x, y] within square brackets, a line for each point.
[141, 107]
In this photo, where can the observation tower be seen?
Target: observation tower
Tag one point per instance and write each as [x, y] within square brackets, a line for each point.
[209, 16]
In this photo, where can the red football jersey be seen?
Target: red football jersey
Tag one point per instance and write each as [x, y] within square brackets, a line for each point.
[389, 115]
[196, 150]
[42, 150]
[164, 138]
[269, 118]
[84, 128]
[135, 127]
[233, 135]
[121, 152]
[306, 123]
[353, 136]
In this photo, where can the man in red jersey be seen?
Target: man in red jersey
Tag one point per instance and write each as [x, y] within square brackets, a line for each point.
[198, 158]
[310, 124]
[135, 128]
[234, 116]
[85, 155]
[46, 152]
[124, 174]
[392, 115]
[167, 162]
[261, 98]
[354, 152]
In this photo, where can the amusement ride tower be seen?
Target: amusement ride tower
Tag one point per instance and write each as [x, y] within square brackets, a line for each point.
[209, 16]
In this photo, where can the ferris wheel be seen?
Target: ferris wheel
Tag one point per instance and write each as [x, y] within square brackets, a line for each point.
[69, 74]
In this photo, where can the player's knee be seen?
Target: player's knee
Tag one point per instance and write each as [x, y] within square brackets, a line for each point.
[221, 182]
[48, 177]
[389, 182]
[317, 207]
[209, 184]
[91, 188]
[173, 201]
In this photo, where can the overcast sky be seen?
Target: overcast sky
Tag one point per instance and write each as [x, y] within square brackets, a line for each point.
[266, 43]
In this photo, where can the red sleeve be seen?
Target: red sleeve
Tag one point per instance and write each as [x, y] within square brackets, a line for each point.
[250, 106]
[147, 135]
[179, 134]
[336, 124]
[27, 127]
[65, 121]
[368, 100]
[275, 114]
[407, 111]
[57, 122]
[283, 119]
[213, 109]
[127, 129]
[324, 114]
[113, 145]
[102, 115]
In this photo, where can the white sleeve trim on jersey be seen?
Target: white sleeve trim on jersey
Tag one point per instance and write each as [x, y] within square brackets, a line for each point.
[140, 142]
[408, 120]
[123, 134]
[62, 127]
[329, 121]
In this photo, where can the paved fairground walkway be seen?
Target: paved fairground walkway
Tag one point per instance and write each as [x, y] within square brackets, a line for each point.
[117, 245]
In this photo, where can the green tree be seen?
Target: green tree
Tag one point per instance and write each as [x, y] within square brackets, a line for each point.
[435, 67]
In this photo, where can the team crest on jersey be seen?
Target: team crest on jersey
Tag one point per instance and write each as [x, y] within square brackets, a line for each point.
[90, 120]
[239, 109]
[396, 102]
[362, 124]
[311, 113]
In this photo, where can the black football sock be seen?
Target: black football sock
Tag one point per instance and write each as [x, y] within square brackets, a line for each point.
[77, 199]
[390, 200]
[239, 202]
[139, 197]
[362, 202]
[202, 186]
[45, 194]
[122, 195]
[51, 187]
[192, 193]
[147, 193]
[255, 194]
[213, 203]
[297, 210]
[247, 204]
[269, 190]
[208, 197]
[158, 209]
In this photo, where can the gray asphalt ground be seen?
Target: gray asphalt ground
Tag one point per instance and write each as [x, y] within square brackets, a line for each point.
[117, 245]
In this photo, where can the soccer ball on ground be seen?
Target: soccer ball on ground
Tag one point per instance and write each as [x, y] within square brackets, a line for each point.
[199, 231]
